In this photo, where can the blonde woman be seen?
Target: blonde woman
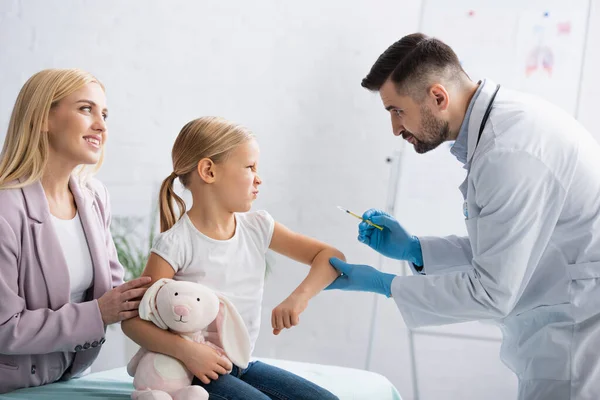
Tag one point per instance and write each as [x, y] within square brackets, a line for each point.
[219, 243]
[60, 281]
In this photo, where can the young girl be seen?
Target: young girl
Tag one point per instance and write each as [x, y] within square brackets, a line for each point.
[222, 245]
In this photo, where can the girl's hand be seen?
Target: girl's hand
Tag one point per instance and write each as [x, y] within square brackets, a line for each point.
[205, 362]
[287, 314]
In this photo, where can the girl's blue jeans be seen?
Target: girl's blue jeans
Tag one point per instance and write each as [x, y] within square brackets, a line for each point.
[262, 381]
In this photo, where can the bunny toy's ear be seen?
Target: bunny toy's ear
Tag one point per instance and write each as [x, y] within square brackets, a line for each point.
[233, 333]
[147, 309]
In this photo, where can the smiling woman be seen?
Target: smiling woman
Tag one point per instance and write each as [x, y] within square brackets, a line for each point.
[53, 113]
[61, 283]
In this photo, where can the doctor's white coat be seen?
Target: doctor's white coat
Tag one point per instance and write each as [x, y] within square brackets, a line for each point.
[531, 261]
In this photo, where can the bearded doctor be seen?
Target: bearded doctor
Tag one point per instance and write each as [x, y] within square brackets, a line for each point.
[531, 260]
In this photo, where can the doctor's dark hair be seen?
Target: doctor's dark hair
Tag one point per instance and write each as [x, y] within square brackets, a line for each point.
[412, 63]
[207, 137]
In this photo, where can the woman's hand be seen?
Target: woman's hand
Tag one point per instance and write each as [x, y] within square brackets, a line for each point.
[287, 314]
[119, 303]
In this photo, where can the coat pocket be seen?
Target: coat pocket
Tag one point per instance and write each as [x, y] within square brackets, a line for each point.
[585, 290]
[588, 270]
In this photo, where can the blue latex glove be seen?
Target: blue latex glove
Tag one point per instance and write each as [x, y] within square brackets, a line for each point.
[393, 241]
[361, 278]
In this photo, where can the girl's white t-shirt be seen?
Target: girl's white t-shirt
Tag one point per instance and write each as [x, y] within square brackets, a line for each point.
[235, 267]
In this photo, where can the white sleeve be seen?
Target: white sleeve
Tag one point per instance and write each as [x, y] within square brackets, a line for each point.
[167, 247]
[265, 224]
[445, 254]
[520, 201]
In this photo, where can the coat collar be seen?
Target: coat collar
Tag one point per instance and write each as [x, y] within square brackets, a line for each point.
[37, 204]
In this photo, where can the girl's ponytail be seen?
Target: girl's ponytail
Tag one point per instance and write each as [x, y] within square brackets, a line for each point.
[168, 218]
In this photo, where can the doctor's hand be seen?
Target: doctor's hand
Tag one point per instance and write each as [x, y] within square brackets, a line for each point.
[287, 314]
[362, 278]
[393, 241]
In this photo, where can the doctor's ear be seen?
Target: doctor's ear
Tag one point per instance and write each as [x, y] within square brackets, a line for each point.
[440, 96]
[206, 170]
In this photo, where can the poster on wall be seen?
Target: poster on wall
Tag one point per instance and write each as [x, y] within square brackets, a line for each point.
[536, 47]
[549, 52]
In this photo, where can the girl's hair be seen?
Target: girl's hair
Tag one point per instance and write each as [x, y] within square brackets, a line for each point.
[25, 152]
[206, 137]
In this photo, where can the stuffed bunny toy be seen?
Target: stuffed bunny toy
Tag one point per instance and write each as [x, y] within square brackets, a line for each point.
[194, 312]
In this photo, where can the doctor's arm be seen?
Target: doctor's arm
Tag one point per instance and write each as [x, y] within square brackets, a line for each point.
[519, 201]
[445, 254]
[426, 255]
[309, 251]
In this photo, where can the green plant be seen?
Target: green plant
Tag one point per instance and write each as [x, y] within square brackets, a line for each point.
[133, 246]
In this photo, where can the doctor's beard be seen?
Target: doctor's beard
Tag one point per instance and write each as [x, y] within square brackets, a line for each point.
[434, 132]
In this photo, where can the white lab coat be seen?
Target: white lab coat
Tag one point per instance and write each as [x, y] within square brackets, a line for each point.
[531, 261]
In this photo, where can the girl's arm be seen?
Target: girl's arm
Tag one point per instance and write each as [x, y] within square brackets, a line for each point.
[201, 360]
[308, 251]
[145, 333]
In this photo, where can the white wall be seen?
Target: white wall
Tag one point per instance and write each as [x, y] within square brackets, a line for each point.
[290, 71]
[587, 110]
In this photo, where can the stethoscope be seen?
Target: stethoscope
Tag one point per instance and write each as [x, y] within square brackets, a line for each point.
[484, 121]
[486, 116]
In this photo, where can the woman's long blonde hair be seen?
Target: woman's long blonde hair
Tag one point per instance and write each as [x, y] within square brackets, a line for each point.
[25, 152]
[206, 137]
